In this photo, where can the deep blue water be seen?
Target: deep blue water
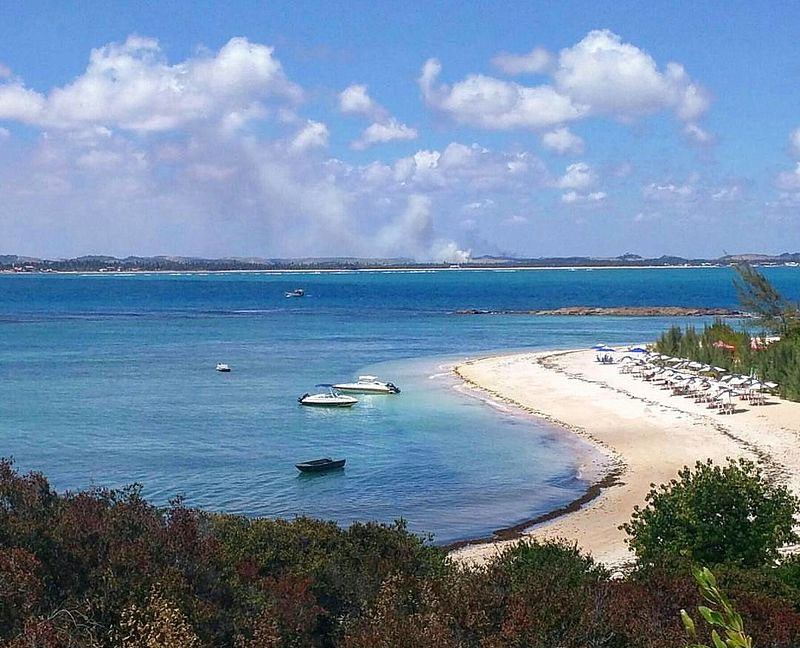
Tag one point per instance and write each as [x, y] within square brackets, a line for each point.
[109, 380]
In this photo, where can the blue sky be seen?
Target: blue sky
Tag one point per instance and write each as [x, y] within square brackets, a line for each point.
[432, 130]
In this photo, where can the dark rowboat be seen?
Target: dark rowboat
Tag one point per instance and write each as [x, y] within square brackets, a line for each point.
[319, 465]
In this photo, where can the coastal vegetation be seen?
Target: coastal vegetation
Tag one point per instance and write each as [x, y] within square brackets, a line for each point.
[772, 353]
[106, 568]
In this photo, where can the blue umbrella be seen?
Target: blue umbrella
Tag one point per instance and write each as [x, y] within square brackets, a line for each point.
[637, 350]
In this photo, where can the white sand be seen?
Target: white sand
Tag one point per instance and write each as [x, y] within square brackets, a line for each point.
[649, 433]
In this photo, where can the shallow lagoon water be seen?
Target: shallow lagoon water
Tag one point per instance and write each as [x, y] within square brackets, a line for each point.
[110, 380]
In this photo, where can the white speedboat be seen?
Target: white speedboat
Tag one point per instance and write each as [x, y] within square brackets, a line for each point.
[329, 398]
[368, 385]
[297, 292]
[221, 366]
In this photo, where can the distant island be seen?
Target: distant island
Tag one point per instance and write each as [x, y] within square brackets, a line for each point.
[99, 263]
[617, 311]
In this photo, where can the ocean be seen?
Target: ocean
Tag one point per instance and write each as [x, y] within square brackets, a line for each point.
[108, 380]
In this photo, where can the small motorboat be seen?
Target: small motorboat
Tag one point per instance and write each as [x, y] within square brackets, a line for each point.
[329, 398]
[297, 292]
[320, 465]
[368, 385]
[224, 368]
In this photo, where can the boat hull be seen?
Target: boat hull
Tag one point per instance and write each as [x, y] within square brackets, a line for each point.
[320, 404]
[353, 389]
[320, 465]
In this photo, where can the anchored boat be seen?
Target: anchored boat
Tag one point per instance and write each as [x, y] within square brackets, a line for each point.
[320, 465]
[329, 398]
[368, 385]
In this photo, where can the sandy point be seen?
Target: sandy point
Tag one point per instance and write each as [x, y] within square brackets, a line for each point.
[647, 433]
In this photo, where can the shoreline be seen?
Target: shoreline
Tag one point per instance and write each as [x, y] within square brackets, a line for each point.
[647, 434]
[112, 273]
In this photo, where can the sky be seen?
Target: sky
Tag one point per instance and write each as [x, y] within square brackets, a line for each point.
[439, 131]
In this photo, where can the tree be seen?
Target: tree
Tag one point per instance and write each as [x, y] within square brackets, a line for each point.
[758, 296]
[712, 515]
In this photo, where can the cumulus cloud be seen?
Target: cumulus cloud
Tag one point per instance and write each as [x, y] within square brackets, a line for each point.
[621, 80]
[536, 61]
[492, 103]
[355, 99]
[574, 197]
[669, 192]
[132, 87]
[384, 132]
[599, 76]
[563, 141]
[313, 135]
[577, 176]
[385, 128]
[469, 169]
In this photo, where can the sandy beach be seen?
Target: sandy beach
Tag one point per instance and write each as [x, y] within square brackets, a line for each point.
[647, 433]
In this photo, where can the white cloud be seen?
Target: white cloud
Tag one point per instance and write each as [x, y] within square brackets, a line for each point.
[790, 180]
[470, 169]
[384, 132]
[355, 99]
[668, 192]
[4, 133]
[731, 193]
[697, 135]
[577, 176]
[794, 142]
[17, 103]
[575, 197]
[623, 81]
[563, 141]
[313, 135]
[494, 104]
[599, 76]
[536, 61]
[131, 86]
[385, 128]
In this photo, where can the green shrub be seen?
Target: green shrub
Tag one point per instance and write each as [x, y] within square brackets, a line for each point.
[714, 514]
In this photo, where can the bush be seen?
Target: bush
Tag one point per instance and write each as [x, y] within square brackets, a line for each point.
[712, 515]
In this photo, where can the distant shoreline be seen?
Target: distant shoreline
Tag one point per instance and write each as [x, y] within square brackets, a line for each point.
[398, 269]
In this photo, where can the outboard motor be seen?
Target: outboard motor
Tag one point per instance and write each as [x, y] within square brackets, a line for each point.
[300, 400]
[394, 389]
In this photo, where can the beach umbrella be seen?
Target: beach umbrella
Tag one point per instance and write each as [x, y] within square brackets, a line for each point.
[598, 347]
[637, 350]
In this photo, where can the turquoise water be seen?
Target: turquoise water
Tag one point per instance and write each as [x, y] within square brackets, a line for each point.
[109, 380]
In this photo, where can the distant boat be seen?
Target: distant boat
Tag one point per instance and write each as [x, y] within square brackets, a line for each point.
[330, 398]
[320, 465]
[221, 366]
[297, 292]
[368, 385]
